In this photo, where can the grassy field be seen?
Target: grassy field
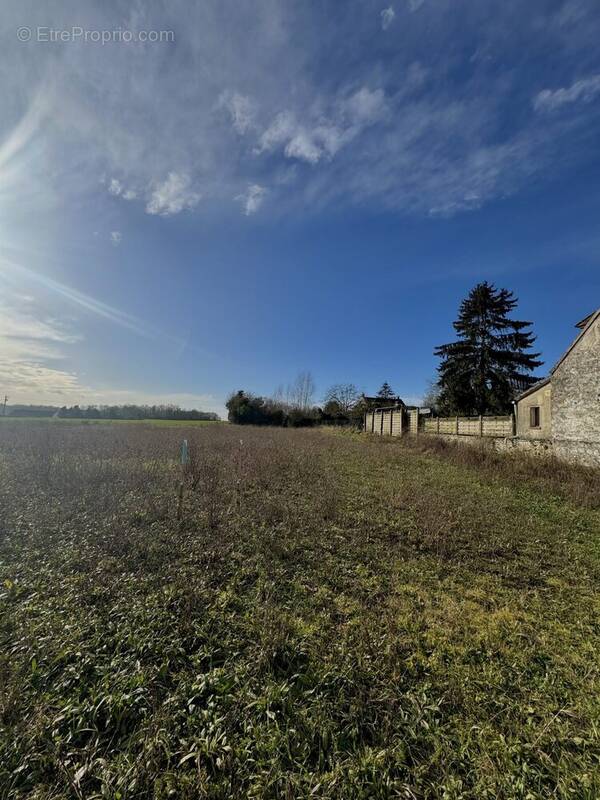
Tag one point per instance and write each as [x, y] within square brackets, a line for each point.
[333, 616]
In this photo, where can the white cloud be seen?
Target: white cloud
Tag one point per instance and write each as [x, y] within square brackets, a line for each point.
[32, 382]
[24, 326]
[115, 187]
[415, 5]
[252, 198]
[584, 90]
[299, 141]
[387, 17]
[304, 142]
[304, 146]
[241, 110]
[279, 131]
[115, 238]
[313, 141]
[172, 196]
[365, 106]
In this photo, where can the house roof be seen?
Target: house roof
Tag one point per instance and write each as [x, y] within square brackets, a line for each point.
[389, 400]
[585, 324]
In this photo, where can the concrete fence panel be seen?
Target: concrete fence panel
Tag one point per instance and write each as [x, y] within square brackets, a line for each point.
[396, 421]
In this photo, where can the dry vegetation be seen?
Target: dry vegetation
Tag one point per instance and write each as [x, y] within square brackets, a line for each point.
[334, 616]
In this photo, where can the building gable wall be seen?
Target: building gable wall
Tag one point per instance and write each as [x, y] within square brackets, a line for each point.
[576, 398]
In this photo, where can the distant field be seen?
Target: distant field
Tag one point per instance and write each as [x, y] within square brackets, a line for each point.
[63, 420]
[333, 616]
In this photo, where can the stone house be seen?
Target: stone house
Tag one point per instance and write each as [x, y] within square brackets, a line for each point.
[564, 409]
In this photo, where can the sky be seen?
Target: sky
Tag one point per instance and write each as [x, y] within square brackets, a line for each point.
[220, 195]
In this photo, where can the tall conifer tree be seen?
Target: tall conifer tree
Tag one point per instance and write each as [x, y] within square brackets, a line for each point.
[491, 360]
[386, 391]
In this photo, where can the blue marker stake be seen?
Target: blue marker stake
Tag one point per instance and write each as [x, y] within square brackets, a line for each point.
[185, 455]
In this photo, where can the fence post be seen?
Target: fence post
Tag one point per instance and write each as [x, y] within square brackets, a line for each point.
[457, 426]
[481, 424]
[392, 422]
[438, 426]
[381, 424]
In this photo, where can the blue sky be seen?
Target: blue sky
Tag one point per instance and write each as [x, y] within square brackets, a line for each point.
[277, 187]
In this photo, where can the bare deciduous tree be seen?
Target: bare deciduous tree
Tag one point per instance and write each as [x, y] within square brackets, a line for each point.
[301, 393]
[431, 398]
[344, 395]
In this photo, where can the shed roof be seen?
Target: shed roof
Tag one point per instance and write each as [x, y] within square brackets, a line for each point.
[533, 388]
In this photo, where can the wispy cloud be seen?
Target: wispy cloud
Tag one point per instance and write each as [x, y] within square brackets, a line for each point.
[582, 91]
[173, 195]
[81, 300]
[361, 124]
[26, 129]
[252, 198]
[34, 349]
[314, 140]
[241, 110]
[116, 238]
[387, 17]
[115, 187]
[31, 346]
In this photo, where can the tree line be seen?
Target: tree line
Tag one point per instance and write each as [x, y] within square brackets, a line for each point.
[481, 372]
[125, 411]
[294, 406]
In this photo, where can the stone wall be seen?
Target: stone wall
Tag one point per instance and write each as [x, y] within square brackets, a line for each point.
[576, 400]
[533, 447]
[586, 453]
[502, 444]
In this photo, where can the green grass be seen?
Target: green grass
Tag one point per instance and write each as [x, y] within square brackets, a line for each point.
[332, 617]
